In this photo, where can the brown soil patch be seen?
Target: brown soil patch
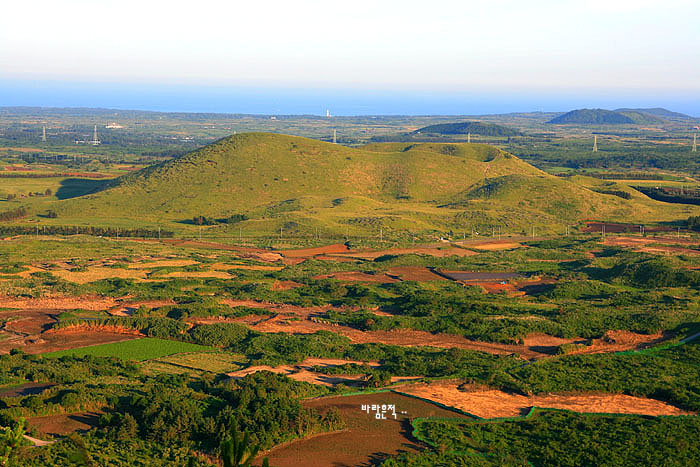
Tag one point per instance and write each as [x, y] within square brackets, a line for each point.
[357, 276]
[63, 340]
[244, 252]
[26, 389]
[493, 403]
[28, 322]
[495, 287]
[254, 267]
[163, 263]
[669, 250]
[645, 244]
[321, 250]
[441, 252]
[88, 302]
[619, 341]
[98, 273]
[201, 274]
[365, 440]
[64, 424]
[415, 273]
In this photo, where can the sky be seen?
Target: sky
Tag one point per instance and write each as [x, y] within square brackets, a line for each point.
[360, 57]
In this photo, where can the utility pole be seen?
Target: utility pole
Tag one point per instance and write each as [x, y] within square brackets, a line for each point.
[595, 143]
[43, 135]
[381, 234]
[695, 142]
[335, 137]
[158, 233]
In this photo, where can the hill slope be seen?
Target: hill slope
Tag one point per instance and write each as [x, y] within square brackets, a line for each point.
[592, 117]
[659, 112]
[463, 128]
[300, 185]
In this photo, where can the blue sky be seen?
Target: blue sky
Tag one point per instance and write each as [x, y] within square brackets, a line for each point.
[354, 57]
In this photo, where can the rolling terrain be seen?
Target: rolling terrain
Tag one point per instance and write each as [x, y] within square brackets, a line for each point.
[267, 182]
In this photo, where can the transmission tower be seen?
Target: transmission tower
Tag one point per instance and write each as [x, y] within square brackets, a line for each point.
[595, 143]
[43, 135]
[95, 141]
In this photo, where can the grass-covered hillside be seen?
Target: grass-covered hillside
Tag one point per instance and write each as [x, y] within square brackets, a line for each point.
[592, 117]
[463, 128]
[265, 182]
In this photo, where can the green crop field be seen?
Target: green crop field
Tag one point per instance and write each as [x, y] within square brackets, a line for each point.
[136, 349]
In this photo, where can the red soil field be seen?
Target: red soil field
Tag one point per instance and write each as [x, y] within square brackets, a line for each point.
[491, 403]
[365, 440]
[357, 276]
[64, 424]
[321, 250]
[415, 273]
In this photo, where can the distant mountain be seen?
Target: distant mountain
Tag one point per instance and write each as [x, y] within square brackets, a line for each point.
[475, 128]
[592, 117]
[642, 118]
[659, 112]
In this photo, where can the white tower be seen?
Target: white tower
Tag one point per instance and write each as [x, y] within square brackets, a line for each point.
[469, 137]
[595, 143]
[328, 113]
[95, 141]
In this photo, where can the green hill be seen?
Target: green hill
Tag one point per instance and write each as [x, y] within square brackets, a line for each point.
[659, 112]
[463, 128]
[642, 118]
[592, 117]
[265, 182]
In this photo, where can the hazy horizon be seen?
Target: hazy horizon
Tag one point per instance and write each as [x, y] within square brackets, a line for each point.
[343, 102]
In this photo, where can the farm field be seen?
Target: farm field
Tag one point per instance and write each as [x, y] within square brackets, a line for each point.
[136, 349]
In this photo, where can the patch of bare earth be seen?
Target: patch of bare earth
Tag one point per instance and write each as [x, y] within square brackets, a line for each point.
[619, 341]
[309, 252]
[357, 276]
[87, 302]
[365, 440]
[491, 403]
[437, 251]
[64, 424]
[64, 339]
[415, 273]
[305, 371]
